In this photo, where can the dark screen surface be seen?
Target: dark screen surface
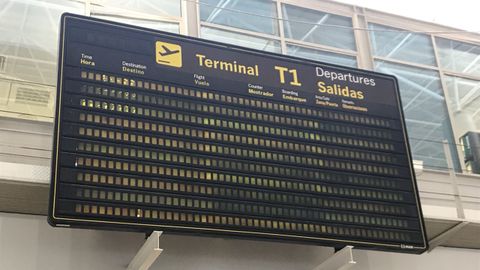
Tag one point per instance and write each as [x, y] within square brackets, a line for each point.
[156, 131]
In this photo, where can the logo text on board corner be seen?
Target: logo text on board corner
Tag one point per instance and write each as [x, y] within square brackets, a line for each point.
[168, 54]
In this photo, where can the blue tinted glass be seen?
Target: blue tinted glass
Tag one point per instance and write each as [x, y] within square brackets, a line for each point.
[318, 27]
[29, 38]
[253, 15]
[464, 102]
[425, 112]
[240, 39]
[394, 43]
[459, 56]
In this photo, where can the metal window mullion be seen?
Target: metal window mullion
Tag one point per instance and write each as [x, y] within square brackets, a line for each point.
[460, 75]
[283, 44]
[88, 7]
[320, 47]
[191, 17]
[362, 40]
[405, 63]
[448, 101]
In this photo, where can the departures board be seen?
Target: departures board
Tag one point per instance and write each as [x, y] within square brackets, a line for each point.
[157, 131]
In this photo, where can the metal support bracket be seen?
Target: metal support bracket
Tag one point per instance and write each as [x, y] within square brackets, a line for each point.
[340, 260]
[446, 235]
[148, 253]
[453, 178]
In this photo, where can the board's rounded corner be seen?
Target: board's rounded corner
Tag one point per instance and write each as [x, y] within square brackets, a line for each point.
[52, 221]
[67, 14]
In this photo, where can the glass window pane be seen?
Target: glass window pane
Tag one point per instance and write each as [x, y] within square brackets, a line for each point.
[236, 13]
[318, 27]
[157, 25]
[459, 56]
[464, 102]
[240, 39]
[397, 44]
[327, 57]
[153, 7]
[426, 114]
[29, 38]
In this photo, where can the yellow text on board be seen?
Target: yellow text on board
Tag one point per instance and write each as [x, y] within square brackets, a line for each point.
[229, 66]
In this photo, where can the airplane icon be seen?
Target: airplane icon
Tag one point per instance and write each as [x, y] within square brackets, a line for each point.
[168, 54]
[167, 51]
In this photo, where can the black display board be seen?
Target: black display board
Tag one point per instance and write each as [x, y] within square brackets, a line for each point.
[157, 131]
